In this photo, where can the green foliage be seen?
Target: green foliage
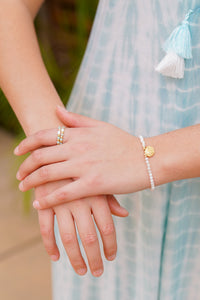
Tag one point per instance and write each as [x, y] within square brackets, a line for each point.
[54, 71]
[8, 119]
[85, 14]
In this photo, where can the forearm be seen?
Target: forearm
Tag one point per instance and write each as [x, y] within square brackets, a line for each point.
[177, 155]
[23, 76]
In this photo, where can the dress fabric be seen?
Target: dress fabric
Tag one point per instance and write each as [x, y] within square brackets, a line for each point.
[159, 243]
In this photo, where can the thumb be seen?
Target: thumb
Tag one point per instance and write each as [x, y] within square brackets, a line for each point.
[115, 208]
[71, 119]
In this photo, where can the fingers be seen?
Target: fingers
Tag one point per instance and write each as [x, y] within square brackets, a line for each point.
[75, 190]
[49, 173]
[69, 239]
[40, 139]
[115, 208]
[49, 137]
[88, 235]
[46, 222]
[75, 120]
[40, 158]
[104, 221]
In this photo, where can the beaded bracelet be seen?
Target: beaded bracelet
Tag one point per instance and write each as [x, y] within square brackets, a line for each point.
[148, 152]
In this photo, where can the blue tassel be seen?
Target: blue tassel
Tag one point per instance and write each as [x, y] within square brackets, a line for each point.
[179, 41]
[178, 47]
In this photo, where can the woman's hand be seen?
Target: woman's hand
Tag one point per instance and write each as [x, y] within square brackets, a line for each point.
[80, 212]
[101, 158]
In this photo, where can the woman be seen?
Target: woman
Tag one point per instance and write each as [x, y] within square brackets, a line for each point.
[158, 245]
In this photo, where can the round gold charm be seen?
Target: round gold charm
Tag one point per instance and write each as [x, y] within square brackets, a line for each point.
[149, 151]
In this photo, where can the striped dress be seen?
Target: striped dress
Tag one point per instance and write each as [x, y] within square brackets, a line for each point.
[159, 243]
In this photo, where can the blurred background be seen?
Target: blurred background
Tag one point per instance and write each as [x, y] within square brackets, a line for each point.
[63, 28]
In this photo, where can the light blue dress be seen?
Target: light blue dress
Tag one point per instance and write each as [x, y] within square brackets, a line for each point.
[159, 243]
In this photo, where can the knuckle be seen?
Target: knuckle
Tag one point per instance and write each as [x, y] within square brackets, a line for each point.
[50, 249]
[77, 206]
[94, 180]
[43, 172]
[100, 198]
[46, 232]
[89, 238]
[68, 239]
[108, 229]
[62, 195]
[82, 147]
[86, 147]
[37, 156]
[26, 181]
[74, 146]
[44, 192]
[40, 136]
[91, 181]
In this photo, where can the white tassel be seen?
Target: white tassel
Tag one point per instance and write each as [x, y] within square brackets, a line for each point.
[172, 65]
[178, 48]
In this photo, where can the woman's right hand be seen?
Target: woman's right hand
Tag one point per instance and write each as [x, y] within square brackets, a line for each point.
[80, 212]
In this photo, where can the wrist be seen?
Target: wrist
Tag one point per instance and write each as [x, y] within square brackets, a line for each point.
[158, 162]
[46, 118]
[165, 163]
[139, 175]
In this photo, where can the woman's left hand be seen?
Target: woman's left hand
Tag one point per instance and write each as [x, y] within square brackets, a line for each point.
[101, 159]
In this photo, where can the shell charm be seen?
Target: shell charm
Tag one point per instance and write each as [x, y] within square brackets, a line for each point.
[149, 151]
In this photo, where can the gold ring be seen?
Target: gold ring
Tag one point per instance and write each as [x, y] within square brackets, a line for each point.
[60, 135]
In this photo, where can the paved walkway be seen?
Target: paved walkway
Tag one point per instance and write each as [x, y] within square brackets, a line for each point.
[24, 265]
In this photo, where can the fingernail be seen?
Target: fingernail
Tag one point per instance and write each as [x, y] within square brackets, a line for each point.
[36, 204]
[21, 185]
[82, 271]
[54, 257]
[16, 150]
[112, 257]
[124, 209]
[98, 272]
[18, 176]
